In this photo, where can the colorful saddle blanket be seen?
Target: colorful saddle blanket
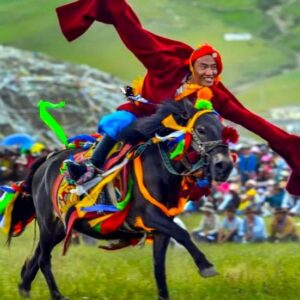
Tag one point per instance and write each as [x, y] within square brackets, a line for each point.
[103, 201]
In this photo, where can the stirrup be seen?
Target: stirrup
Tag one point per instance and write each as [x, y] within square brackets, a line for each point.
[90, 173]
[78, 171]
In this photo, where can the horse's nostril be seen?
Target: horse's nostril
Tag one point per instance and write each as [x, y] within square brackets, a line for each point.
[223, 167]
[219, 165]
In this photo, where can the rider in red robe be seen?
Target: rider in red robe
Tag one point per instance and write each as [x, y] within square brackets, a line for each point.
[168, 64]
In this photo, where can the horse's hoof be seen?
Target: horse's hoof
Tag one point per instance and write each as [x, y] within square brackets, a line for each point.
[23, 292]
[209, 272]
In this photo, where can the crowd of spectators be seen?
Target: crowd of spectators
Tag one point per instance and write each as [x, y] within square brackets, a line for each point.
[235, 210]
[15, 163]
[253, 196]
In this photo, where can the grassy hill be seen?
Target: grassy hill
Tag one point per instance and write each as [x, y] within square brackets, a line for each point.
[34, 27]
[277, 91]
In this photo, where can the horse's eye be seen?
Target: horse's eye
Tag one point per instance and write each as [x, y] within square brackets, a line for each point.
[184, 116]
[200, 129]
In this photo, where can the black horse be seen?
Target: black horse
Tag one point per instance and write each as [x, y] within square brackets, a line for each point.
[161, 182]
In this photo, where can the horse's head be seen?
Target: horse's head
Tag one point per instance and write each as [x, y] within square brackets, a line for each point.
[207, 140]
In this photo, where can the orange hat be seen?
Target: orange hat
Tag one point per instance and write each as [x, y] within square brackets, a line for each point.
[203, 50]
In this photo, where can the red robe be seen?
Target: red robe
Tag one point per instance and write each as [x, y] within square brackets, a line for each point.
[165, 60]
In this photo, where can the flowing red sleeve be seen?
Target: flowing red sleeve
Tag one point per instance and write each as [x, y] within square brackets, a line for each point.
[163, 58]
[152, 50]
[285, 144]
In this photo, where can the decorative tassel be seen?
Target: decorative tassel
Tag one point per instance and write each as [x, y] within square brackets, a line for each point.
[178, 150]
[100, 208]
[230, 135]
[176, 140]
[203, 104]
[188, 141]
[5, 200]
[7, 189]
[204, 93]
[137, 86]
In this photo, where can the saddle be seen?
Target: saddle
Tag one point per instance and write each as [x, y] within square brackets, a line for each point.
[103, 201]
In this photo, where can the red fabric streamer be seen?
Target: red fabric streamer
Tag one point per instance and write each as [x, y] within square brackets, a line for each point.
[188, 140]
[115, 221]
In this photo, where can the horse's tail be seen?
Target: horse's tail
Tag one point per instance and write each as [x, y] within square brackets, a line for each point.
[23, 210]
[35, 165]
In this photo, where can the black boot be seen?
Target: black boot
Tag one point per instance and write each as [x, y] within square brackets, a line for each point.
[101, 151]
[84, 171]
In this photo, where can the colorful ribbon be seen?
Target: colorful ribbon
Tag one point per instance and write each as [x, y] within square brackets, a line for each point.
[50, 121]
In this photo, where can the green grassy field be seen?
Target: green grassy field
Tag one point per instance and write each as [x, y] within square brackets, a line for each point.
[262, 271]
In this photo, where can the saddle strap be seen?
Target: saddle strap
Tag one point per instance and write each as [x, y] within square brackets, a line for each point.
[170, 212]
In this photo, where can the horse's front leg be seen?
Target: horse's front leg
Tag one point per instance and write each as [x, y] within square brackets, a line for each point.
[160, 245]
[156, 219]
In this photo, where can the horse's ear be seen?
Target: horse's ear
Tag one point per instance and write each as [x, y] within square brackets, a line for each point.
[189, 109]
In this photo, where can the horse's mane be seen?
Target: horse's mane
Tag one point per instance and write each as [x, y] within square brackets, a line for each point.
[144, 128]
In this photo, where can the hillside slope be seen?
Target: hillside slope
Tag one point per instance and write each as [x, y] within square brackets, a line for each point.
[34, 27]
[263, 71]
[28, 77]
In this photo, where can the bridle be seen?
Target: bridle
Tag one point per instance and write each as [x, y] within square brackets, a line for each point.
[204, 149]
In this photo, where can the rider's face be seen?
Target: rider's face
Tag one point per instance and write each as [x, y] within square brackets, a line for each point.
[205, 70]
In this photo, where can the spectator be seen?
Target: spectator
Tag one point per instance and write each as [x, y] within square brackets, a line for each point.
[248, 198]
[254, 226]
[290, 201]
[231, 198]
[7, 166]
[209, 225]
[248, 164]
[232, 228]
[275, 195]
[283, 227]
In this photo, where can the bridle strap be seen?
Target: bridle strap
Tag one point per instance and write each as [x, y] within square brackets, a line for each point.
[168, 164]
[205, 147]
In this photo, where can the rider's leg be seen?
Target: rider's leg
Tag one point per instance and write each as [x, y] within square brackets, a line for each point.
[82, 172]
[101, 151]
[112, 125]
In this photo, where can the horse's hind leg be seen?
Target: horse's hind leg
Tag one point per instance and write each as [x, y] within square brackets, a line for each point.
[28, 273]
[49, 237]
[31, 266]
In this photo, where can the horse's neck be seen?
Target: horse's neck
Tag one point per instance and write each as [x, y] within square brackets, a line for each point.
[167, 184]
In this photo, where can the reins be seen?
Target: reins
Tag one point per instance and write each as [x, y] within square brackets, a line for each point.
[168, 164]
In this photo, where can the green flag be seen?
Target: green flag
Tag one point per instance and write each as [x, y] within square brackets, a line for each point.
[49, 120]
